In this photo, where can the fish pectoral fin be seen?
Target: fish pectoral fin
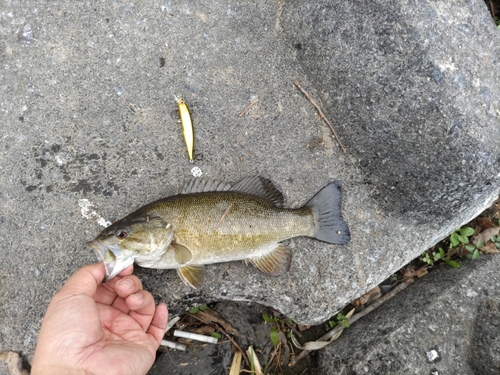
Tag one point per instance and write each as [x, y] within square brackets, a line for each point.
[182, 253]
[276, 263]
[192, 276]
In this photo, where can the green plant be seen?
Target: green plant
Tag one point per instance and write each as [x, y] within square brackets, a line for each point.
[496, 240]
[274, 334]
[339, 319]
[195, 309]
[474, 249]
[430, 258]
[461, 235]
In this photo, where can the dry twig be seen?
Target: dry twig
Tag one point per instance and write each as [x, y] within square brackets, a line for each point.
[245, 357]
[296, 83]
[248, 107]
[356, 317]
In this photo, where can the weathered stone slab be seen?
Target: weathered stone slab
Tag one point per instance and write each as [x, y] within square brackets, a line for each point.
[89, 124]
[446, 323]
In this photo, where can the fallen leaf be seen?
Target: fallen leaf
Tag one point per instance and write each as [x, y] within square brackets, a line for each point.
[485, 223]
[210, 316]
[485, 235]
[410, 272]
[490, 248]
[236, 365]
[253, 359]
[370, 296]
[302, 327]
[204, 330]
[421, 272]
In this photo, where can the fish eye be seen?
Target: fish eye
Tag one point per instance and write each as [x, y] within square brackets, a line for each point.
[121, 233]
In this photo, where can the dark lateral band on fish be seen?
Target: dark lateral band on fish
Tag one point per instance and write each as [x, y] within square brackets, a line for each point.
[212, 222]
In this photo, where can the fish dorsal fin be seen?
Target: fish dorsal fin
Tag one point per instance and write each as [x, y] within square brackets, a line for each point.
[192, 276]
[276, 263]
[199, 185]
[182, 253]
[262, 187]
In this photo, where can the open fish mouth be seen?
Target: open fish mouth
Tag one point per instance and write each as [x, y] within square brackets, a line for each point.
[112, 256]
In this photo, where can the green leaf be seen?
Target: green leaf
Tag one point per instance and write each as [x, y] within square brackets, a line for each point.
[267, 318]
[252, 362]
[462, 239]
[470, 247]
[437, 256]
[441, 251]
[345, 323]
[217, 335]
[475, 254]
[479, 244]
[467, 231]
[427, 259]
[194, 310]
[203, 307]
[452, 263]
[454, 239]
[274, 336]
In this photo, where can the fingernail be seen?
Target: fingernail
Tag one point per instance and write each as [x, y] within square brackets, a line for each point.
[139, 295]
[127, 283]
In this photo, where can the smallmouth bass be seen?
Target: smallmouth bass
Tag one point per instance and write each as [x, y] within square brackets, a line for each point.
[211, 222]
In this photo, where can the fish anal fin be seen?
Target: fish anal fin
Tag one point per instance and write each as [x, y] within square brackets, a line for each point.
[182, 253]
[192, 275]
[261, 187]
[276, 263]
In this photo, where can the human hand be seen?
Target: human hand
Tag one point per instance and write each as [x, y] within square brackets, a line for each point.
[95, 328]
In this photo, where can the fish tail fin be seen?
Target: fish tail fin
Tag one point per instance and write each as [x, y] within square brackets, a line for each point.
[328, 223]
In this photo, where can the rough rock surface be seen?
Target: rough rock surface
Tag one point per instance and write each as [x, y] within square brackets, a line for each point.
[446, 323]
[11, 364]
[89, 131]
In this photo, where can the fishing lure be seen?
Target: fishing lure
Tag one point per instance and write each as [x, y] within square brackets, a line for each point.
[187, 127]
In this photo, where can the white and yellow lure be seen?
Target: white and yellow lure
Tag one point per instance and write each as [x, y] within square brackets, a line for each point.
[187, 127]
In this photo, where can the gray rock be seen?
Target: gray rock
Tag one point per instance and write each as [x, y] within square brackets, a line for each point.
[11, 364]
[446, 323]
[90, 131]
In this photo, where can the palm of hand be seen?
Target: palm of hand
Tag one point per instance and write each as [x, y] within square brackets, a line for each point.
[115, 331]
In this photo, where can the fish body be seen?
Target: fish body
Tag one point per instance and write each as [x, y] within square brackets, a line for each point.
[212, 222]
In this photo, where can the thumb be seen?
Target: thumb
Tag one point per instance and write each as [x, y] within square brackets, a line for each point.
[84, 281]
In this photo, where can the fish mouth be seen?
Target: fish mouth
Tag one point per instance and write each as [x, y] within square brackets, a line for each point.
[111, 256]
